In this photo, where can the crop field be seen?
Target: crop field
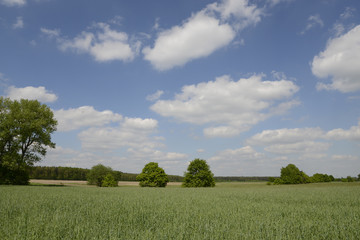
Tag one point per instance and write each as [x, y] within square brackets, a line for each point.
[228, 211]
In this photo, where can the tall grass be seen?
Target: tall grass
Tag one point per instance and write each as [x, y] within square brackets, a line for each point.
[229, 211]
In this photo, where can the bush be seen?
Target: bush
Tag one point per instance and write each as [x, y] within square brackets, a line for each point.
[109, 181]
[152, 176]
[198, 175]
[318, 177]
[292, 175]
[97, 174]
[13, 176]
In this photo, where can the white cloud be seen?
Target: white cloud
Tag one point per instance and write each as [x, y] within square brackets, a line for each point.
[52, 33]
[285, 135]
[245, 153]
[104, 44]
[272, 3]
[155, 96]
[132, 132]
[140, 124]
[229, 106]
[240, 10]
[340, 61]
[244, 161]
[32, 93]
[19, 23]
[198, 37]
[313, 21]
[201, 34]
[86, 116]
[12, 3]
[299, 147]
[353, 134]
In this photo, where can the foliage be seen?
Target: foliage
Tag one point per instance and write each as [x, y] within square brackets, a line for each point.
[109, 181]
[152, 176]
[25, 133]
[98, 173]
[58, 173]
[292, 175]
[232, 211]
[199, 175]
[318, 177]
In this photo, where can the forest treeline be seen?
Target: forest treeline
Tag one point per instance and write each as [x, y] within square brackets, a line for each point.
[71, 173]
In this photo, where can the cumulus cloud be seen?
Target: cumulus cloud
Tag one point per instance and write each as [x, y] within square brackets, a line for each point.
[31, 93]
[302, 140]
[230, 107]
[104, 44]
[19, 23]
[131, 132]
[242, 161]
[353, 134]
[298, 147]
[340, 62]
[244, 153]
[285, 135]
[13, 3]
[85, 116]
[198, 37]
[313, 21]
[202, 34]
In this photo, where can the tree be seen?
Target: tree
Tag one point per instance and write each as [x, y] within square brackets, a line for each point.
[198, 175]
[25, 134]
[152, 176]
[99, 174]
[292, 175]
[109, 181]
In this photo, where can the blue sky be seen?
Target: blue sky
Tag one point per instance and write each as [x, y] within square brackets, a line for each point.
[249, 86]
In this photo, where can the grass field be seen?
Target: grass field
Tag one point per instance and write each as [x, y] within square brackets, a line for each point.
[228, 211]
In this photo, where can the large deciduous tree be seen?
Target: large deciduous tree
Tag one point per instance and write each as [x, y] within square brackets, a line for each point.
[152, 176]
[199, 175]
[25, 134]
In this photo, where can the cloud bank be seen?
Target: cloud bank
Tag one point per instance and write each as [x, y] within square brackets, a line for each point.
[340, 61]
[229, 107]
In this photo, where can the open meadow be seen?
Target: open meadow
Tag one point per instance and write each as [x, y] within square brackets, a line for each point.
[228, 211]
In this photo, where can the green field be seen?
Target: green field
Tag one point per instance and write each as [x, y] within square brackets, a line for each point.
[228, 211]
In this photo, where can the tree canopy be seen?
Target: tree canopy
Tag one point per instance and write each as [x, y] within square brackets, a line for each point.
[198, 175]
[103, 176]
[152, 176]
[292, 175]
[25, 134]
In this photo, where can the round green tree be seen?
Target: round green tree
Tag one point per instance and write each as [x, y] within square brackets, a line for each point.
[152, 176]
[199, 175]
[292, 175]
[99, 176]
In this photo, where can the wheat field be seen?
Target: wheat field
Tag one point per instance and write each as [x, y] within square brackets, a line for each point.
[228, 211]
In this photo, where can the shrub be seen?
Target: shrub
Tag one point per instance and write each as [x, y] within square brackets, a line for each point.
[98, 173]
[292, 175]
[109, 181]
[152, 176]
[198, 175]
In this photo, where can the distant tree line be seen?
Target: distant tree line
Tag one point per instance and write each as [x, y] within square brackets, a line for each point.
[242, 179]
[292, 175]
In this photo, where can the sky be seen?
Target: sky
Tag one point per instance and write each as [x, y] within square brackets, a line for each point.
[248, 85]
